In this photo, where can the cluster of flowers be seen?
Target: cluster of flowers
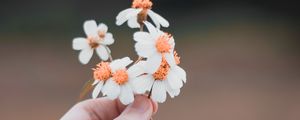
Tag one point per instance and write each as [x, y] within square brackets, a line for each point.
[155, 73]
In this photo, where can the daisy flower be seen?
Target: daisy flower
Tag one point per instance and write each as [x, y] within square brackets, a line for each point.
[154, 46]
[97, 39]
[166, 79]
[102, 73]
[137, 14]
[119, 84]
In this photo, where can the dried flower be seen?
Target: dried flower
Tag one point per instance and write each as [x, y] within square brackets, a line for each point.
[137, 15]
[166, 79]
[101, 74]
[154, 45]
[97, 39]
[119, 85]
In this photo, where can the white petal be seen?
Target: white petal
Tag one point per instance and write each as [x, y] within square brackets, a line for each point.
[133, 13]
[181, 73]
[142, 83]
[121, 20]
[135, 70]
[169, 89]
[95, 82]
[172, 43]
[170, 59]
[124, 13]
[102, 52]
[102, 27]
[80, 43]
[152, 30]
[111, 89]
[132, 22]
[120, 63]
[153, 63]
[143, 37]
[90, 28]
[159, 91]
[126, 95]
[172, 92]
[108, 39]
[176, 92]
[145, 45]
[97, 89]
[108, 49]
[173, 80]
[156, 17]
[145, 50]
[85, 55]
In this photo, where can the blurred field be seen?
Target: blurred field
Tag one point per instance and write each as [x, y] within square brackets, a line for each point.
[239, 68]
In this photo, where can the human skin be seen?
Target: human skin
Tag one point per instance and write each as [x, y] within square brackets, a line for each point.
[105, 109]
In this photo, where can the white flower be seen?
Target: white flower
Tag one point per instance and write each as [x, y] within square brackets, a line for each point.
[119, 85]
[102, 73]
[154, 46]
[97, 38]
[166, 79]
[138, 14]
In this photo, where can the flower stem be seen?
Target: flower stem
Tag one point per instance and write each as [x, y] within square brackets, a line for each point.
[142, 27]
[110, 56]
[149, 95]
[87, 87]
[150, 92]
[138, 60]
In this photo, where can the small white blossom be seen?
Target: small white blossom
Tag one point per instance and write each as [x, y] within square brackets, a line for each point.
[167, 79]
[154, 45]
[119, 84]
[138, 14]
[97, 39]
[102, 73]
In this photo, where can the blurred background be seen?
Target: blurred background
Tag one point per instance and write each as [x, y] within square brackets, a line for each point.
[242, 57]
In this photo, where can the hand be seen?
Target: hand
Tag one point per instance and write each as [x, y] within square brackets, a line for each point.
[105, 109]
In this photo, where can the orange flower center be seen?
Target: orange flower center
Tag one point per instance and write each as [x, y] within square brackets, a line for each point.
[162, 43]
[102, 71]
[145, 4]
[120, 76]
[101, 34]
[162, 72]
[92, 42]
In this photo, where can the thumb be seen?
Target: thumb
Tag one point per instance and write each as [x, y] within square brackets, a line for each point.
[140, 109]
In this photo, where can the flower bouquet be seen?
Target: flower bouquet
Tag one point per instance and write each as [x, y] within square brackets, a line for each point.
[155, 72]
